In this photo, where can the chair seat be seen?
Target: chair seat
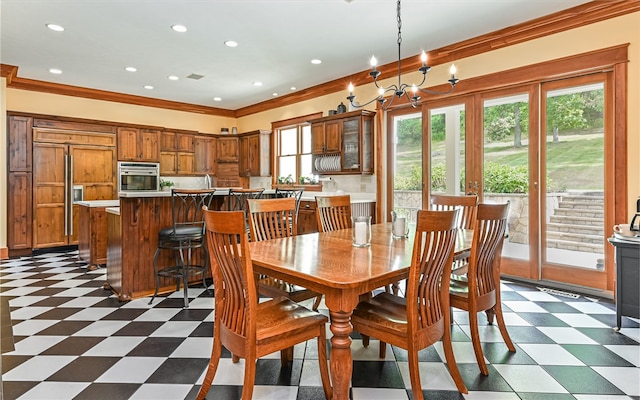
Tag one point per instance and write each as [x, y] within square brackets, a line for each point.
[387, 311]
[181, 233]
[282, 316]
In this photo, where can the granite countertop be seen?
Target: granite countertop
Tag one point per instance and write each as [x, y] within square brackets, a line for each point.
[99, 203]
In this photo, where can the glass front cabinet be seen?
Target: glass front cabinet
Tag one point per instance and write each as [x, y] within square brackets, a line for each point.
[343, 143]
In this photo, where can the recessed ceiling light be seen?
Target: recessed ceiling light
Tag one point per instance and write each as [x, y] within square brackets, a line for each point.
[275, 94]
[231, 43]
[179, 28]
[173, 78]
[55, 70]
[217, 99]
[293, 88]
[148, 87]
[131, 69]
[55, 27]
[316, 61]
[257, 83]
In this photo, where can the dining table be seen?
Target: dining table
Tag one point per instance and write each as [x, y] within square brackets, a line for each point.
[328, 263]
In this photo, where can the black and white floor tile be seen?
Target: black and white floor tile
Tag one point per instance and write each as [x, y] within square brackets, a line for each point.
[75, 340]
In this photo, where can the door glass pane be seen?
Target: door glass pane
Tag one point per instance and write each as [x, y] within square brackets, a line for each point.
[506, 166]
[447, 149]
[574, 141]
[407, 170]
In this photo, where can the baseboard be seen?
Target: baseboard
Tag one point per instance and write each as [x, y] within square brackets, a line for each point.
[4, 253]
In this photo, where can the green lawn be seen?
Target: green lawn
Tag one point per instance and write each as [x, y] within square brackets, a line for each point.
[575, 162]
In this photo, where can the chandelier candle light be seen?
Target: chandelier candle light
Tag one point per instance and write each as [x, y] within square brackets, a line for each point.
[400, 89]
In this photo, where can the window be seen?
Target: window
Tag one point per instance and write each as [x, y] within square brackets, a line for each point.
[293, 151]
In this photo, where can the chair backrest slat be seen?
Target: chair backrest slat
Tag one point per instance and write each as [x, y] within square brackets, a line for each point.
[333, 212]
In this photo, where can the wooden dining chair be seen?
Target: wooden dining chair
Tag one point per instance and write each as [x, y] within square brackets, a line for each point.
[333, 212]
[468, 205]
[422, 317]
[294, 192]
[247, 328]
[479, 290]
[272, 219]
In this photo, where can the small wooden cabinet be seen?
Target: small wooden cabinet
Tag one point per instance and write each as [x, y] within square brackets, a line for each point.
[19, 184]
[255, 153]
[204, 155]
[307, 222]
[343, 143]
[227, 149]
[137, 144]
[177, 153]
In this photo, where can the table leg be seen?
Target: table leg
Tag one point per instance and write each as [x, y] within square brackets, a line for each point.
[341, 362]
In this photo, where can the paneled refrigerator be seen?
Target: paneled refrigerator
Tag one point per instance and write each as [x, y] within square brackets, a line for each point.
[64, 174]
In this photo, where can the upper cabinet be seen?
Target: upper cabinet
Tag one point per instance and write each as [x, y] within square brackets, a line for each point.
[255, 153]
[227, 149]
[137, 144]
[343, 143]
[204, 154]
[177, 153]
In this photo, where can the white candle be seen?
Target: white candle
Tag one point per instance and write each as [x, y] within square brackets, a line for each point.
[400, 226]
[361, 232]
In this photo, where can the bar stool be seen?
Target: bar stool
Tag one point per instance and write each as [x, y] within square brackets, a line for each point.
[185, 235]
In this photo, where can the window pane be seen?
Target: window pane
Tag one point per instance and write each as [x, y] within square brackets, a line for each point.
[288, 141]
[306, 139]
[287, 166]
[305, 165]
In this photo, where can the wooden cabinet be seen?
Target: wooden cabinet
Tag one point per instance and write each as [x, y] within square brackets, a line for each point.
[228, 175]
[255, 153]
[177, 153]
[204, 155]
[227, 149]
[325, 137]
[19, 184]
[138, 144]
[627, 295]
[307, 222]
[343, 143]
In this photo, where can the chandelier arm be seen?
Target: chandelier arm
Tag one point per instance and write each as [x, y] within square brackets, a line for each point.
[428, 91]
[358, 105]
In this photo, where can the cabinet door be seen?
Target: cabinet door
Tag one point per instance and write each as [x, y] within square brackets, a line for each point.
[307, 222]
[185, 163]
[204, 158]
[19, 211]
[184, 142]
[317, 138]
[167, 141]
[149, 145]
[49, 209]
[127, 144]
[168, 163]
[332, 131]
[351, 145]
[228, 149]
[20, 136]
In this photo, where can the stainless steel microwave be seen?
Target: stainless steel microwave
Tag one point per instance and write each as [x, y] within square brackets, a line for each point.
[138, 176]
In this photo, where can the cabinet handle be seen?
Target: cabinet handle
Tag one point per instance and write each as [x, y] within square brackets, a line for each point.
[306, 206]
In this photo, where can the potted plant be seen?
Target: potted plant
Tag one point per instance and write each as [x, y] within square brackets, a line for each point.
[165, 185]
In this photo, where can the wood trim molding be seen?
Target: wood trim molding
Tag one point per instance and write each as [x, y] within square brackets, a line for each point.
[585, 14]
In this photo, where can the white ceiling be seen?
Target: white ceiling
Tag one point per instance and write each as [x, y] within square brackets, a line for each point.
[277, 39]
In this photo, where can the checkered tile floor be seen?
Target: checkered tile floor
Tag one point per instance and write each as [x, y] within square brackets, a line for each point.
[74, 340]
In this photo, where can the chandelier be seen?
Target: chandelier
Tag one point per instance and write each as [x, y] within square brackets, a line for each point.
[401, 89]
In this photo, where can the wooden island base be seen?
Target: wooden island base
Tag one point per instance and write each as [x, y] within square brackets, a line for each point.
[132, 239]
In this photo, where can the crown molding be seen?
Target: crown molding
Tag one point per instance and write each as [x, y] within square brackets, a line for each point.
[571, 18]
